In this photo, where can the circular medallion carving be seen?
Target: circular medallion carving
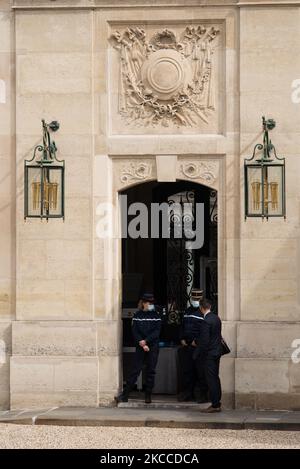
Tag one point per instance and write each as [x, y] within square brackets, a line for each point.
[165, 76]
[164, 73]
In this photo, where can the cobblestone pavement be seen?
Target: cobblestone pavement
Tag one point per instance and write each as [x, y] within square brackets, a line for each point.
[29, 436]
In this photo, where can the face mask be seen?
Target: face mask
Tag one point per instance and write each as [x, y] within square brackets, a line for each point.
[195, 303]
[151, 308]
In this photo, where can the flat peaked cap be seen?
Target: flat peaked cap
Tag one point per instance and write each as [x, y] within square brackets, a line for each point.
[196, 293]
[148, 297]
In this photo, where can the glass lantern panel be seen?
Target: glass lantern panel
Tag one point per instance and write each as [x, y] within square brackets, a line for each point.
[275, 190]
[33, 191]
[255, 194]
[53, 195]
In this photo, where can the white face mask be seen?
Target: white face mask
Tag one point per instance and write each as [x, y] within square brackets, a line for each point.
[195, 303]
[151, 308]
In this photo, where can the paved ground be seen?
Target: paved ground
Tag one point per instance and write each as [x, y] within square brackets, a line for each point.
[29, 436]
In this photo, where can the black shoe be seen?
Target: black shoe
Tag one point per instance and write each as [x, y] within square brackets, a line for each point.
[185, 397]
[148, 397]
[123, 397]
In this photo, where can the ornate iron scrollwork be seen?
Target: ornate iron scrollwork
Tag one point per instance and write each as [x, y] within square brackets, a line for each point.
[182, 263]
[180, 268]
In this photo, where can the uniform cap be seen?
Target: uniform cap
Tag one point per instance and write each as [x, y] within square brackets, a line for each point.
[197, 294]
[148, 297]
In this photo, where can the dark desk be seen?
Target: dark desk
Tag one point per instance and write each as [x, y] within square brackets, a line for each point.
[166, 370]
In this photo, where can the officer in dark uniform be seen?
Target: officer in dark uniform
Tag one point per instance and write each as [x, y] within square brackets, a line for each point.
[146, 326]
[192, 379]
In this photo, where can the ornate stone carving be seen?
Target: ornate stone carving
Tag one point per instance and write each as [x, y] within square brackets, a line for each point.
[164, 79]
[135, 171]
[202, 170]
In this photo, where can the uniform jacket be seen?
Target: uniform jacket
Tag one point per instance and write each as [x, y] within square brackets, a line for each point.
[191, 324]
[146, 325]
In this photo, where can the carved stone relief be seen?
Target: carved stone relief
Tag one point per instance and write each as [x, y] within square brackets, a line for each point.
[128, 171]
[166, 78]
[135, 172]
[200, 170]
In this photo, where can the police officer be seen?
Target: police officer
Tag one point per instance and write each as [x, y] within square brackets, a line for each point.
[191, 377]
[146, 326]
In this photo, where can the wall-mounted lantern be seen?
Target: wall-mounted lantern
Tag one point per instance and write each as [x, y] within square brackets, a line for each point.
[265, 179]
[44, 179]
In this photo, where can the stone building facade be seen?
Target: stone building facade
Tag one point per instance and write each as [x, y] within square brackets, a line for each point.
[76, 61]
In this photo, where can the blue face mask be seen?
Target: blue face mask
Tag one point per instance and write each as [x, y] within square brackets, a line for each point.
[195, 303]
[151, 308]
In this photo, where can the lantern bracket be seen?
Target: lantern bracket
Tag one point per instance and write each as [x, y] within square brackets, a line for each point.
[48, 149]
[267, 149]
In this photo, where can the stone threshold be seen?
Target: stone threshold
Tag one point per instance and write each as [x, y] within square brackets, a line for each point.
[155, 417]
[160, 404]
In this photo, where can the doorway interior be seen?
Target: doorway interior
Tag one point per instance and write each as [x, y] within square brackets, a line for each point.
[168, 267]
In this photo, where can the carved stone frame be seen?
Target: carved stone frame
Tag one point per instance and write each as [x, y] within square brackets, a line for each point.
[208, 171]
[130, 171]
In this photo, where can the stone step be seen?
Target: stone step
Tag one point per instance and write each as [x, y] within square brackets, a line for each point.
[161, 404]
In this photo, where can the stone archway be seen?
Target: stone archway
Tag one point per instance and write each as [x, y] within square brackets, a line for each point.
[156, 260]
[170, 168]
[127, 172]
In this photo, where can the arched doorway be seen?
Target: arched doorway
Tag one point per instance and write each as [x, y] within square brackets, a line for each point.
[168, 266]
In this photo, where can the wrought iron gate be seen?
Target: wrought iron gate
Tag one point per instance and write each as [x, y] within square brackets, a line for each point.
[183, 264]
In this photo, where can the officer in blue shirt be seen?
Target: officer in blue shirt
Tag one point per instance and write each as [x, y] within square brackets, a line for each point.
[192, 379]
[146, 327]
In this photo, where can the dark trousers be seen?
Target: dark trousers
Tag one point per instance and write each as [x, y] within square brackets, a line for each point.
[150, 359]
[211, 369]
[191, 377]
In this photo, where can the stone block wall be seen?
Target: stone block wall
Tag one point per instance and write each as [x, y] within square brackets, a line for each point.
[59, 63]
